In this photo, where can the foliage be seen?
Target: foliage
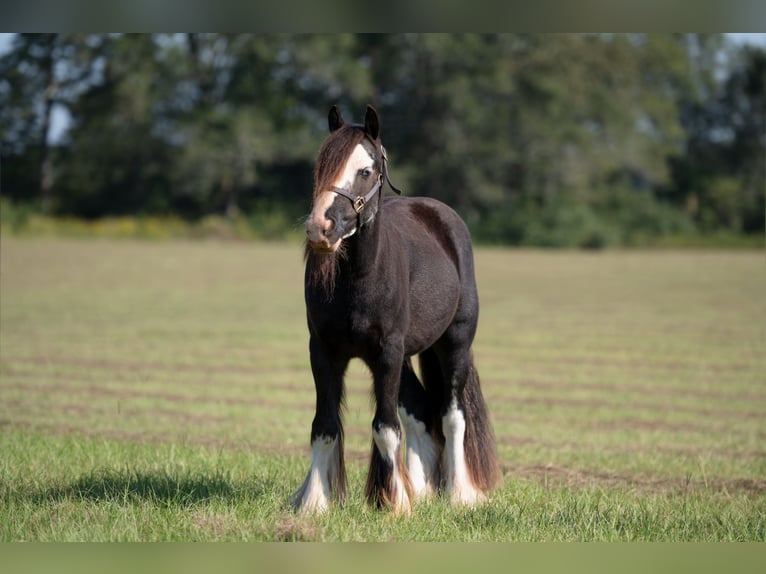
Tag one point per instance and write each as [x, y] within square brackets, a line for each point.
[535, 139]
[265, 224]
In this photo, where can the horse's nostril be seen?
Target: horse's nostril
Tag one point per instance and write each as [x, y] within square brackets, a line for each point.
[329, 227]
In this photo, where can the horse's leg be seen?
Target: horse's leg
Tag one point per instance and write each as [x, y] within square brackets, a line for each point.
[388, 482]
[469, 460]
[327, 474]
[422, 450]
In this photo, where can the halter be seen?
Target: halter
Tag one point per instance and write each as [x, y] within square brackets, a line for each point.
[358, 202]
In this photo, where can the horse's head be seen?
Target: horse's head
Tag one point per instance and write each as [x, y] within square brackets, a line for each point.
[347, 179]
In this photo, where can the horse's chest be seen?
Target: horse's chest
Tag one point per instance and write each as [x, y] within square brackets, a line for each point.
[363, 325]
[353, 324]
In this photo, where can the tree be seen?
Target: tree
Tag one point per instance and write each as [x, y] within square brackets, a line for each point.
[584, 139]
[745, 97]
[720, 178]
[40, 72]
[116, 161]
[260, 104]
[508, 127]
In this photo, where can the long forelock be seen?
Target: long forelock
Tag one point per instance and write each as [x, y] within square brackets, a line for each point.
[334, 154]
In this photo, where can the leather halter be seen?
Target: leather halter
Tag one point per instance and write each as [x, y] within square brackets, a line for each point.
[358, 202]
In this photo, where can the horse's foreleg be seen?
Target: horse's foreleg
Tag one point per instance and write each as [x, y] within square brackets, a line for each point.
[422, 453]
[388, 482]
[327, 476]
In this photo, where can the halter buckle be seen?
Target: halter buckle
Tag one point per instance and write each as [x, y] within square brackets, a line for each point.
[359, 203]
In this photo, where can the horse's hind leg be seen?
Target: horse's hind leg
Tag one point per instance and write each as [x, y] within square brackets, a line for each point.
[327, 475]
[422, 452]
[469, 460]
[388, 482]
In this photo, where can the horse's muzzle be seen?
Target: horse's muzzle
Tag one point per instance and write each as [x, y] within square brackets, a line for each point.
[321, 235]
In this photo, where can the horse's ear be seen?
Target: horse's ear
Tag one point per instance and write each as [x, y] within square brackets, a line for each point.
[372, 123]
[334, 119]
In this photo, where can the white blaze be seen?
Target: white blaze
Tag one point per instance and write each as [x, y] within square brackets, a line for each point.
[358, 160]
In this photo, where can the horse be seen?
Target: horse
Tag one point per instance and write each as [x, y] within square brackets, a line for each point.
[388, 278]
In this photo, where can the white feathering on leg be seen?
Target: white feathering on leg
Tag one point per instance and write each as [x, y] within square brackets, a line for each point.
[387, 442]
[458, 484]
[316, 493]
[422, 456]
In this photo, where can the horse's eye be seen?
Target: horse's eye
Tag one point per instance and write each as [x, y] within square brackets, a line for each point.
[365, 172]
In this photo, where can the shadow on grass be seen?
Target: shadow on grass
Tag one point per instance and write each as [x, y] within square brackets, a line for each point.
[156, 487]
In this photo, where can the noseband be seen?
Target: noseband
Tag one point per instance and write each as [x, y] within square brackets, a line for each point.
[358, 202]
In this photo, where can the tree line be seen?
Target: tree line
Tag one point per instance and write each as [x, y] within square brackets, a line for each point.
[553, 140]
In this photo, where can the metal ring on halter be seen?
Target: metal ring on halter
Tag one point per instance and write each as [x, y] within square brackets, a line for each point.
[358, 202]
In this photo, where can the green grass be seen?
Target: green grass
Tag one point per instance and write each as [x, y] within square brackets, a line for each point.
[161, 391]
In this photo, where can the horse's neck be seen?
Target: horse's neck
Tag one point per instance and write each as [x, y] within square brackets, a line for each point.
[364, 248]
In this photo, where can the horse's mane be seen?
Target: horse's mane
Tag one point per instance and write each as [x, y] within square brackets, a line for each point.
[322, 268]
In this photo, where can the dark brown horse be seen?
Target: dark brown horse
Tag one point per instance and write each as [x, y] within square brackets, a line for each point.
[387, 279]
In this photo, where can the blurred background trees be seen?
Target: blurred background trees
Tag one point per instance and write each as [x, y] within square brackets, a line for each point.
[552, 140]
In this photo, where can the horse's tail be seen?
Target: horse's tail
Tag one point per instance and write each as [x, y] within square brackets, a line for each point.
[480, 448]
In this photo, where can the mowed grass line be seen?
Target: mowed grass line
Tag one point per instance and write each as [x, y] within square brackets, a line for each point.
[161, 391]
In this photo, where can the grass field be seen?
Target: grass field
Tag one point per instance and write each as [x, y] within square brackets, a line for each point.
[161, 391]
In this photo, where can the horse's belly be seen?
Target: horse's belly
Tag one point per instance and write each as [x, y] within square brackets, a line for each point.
[432, 310]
